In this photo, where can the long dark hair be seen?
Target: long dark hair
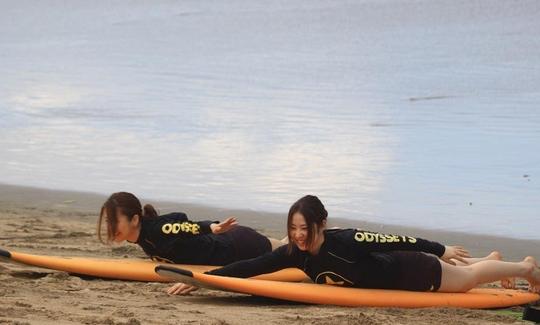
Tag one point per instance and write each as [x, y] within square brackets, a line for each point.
[126, 204]
[314, 213]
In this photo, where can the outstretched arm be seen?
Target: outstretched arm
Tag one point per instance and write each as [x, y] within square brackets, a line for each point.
[178, 224]
[268, 263]
[366, 242]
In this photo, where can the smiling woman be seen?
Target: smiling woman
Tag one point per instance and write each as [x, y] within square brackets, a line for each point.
[305, 217]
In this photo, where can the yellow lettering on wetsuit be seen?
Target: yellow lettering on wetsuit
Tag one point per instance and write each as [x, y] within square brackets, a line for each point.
[166, 228]
[175, 228]
[370, 237]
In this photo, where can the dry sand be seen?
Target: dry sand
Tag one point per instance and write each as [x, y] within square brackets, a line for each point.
[63, 223]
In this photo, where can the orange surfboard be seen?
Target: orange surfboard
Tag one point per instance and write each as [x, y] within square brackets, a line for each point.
[125, 269]
[352, 297]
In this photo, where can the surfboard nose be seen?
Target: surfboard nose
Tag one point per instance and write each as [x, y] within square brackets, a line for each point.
[4, 253]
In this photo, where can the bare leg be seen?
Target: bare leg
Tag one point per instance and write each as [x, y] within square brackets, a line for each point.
[464, 278]
[472, 260]
[275, 243]
[508, 283]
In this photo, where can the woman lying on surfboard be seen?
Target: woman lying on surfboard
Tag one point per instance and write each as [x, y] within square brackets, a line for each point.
[365, 259]
[173, 238]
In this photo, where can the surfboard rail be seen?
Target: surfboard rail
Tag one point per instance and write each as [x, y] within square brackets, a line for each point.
[123, 269]
[478, 298]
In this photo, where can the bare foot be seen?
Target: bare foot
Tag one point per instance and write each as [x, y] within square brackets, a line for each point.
[508, 283]
[495, 255]
[534, 276]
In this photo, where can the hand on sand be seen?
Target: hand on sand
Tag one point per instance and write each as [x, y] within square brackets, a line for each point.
[455, 252]
[225, 225]
[181, 289]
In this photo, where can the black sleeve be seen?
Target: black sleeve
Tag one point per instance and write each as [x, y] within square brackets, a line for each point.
[205, 226]
[270, 262]
[365, 242]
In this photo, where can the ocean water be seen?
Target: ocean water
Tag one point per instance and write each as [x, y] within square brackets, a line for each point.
[420, 113]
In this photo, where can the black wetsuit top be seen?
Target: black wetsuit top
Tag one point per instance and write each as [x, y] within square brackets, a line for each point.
[348, 257]
[173, 238]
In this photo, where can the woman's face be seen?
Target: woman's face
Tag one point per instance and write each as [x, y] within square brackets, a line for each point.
[299, 231]
[125, 229]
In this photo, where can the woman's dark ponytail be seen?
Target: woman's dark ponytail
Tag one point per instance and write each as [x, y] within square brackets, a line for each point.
[149, 211]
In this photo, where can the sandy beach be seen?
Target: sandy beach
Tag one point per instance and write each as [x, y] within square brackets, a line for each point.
[63, 223]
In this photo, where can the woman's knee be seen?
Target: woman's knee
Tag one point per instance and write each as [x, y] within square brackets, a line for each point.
[469, 279]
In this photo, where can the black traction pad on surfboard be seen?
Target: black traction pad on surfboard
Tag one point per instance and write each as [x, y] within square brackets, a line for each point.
[4, 253]
[532, 314]
[182, 275]
[176, 270]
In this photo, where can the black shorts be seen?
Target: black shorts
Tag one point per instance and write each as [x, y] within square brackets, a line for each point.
[248, 243]
[416, 271]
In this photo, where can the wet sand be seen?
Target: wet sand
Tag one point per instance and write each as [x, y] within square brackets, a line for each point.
[63, 223]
